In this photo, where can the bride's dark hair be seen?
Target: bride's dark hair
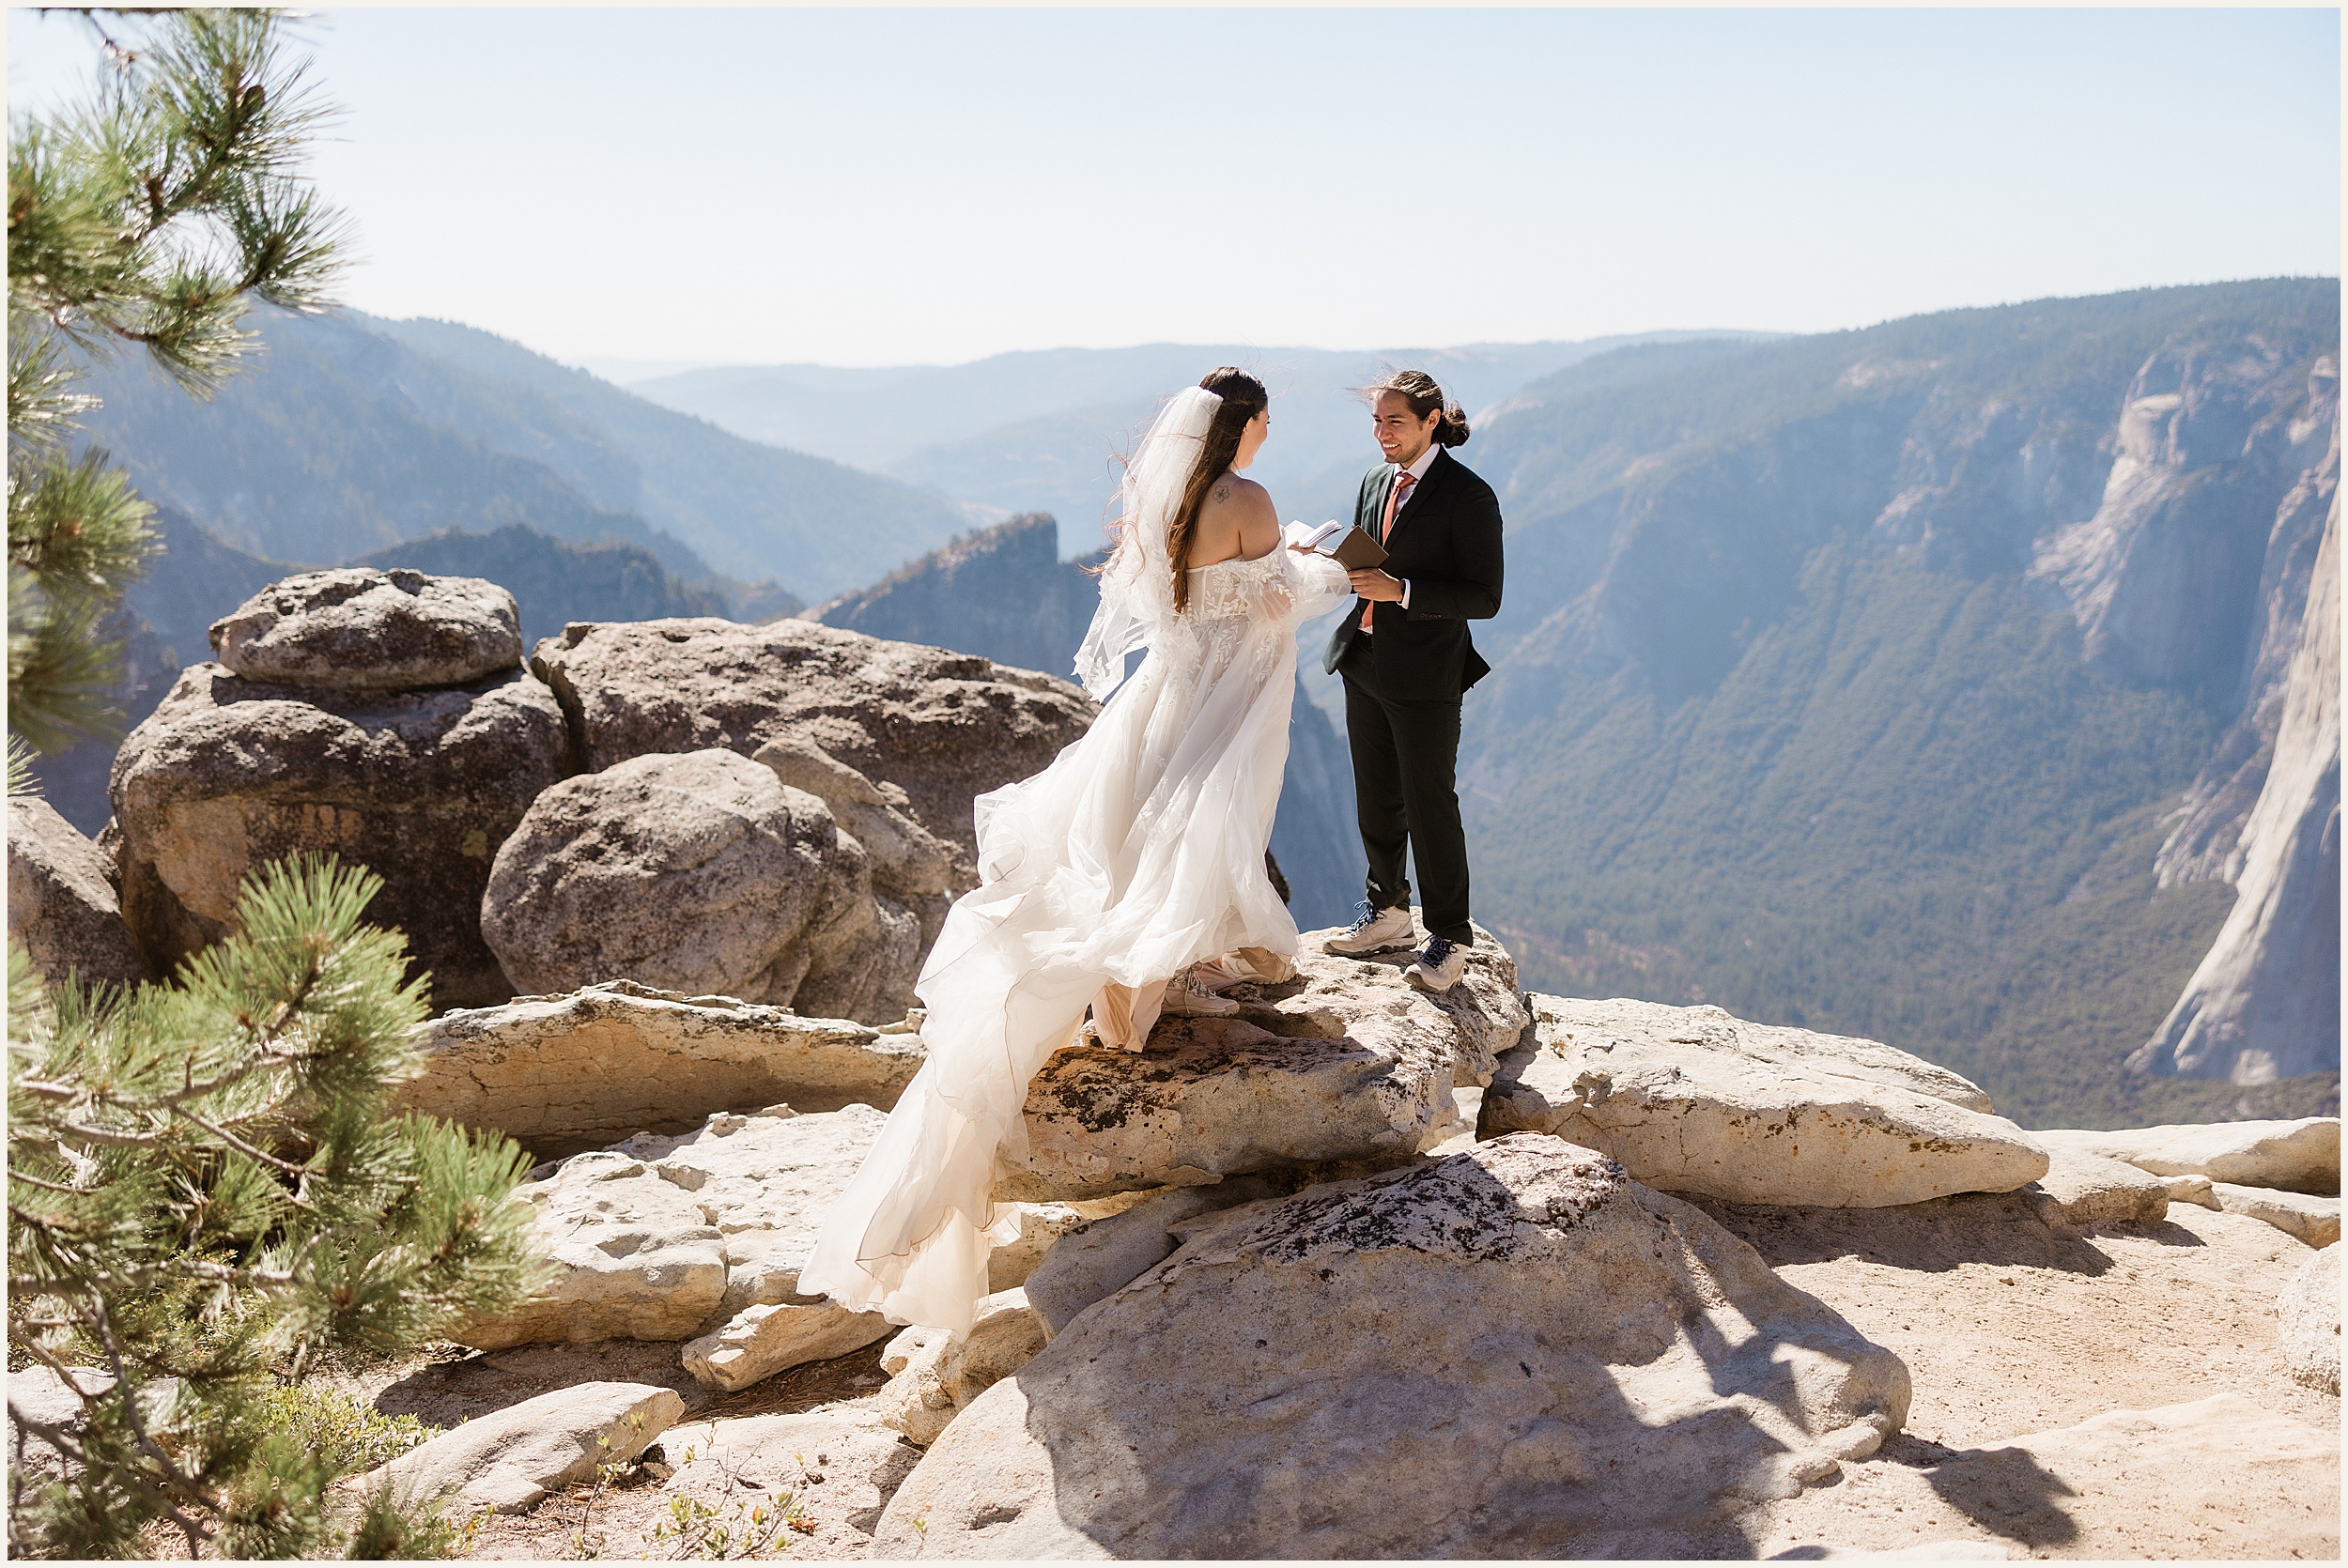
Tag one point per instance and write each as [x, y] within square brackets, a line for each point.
[1244, 398]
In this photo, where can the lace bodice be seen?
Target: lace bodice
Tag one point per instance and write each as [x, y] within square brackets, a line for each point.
[1246, 606]
[1241, 586]
[1274, 586]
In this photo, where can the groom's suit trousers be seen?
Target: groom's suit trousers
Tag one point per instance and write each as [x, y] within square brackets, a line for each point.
[1404, 758]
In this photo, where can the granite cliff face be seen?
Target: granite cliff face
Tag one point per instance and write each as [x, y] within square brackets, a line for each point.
[1001, 591]
[2204, 843]
[2164, 578]
[2265, 1003]
[2170, 585]
[1004, 593]
[1916, 682]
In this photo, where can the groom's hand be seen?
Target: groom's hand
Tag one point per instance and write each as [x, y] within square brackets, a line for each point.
[1370, 583]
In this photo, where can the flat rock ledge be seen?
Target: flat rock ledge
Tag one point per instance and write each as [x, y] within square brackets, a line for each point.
[1344, 1066]
[1513, 1351]
[1692, 1099]
[515, 1458]
[701, 1238]
[2301, 1156]
[2087, 1190]
[2312, 1220]
[564, 1074]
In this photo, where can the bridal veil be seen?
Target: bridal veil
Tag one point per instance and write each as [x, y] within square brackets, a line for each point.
[1138, 852]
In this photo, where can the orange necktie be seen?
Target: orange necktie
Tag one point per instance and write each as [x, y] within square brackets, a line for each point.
[1402, 482]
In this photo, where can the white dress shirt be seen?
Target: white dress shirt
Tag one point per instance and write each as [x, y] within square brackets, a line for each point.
[1417, 470]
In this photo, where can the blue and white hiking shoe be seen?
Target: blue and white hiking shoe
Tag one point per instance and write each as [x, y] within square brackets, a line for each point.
[1374, 930]
[1437, 967]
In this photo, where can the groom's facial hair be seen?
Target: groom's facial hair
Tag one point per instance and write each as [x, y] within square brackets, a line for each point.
[1391, 420]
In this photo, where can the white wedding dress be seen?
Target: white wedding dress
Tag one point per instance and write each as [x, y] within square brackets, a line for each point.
[1137, 853]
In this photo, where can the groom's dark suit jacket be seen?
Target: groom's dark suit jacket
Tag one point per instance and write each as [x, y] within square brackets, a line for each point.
[1447, 542]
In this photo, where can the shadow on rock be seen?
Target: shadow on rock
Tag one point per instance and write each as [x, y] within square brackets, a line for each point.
[2008, 1491]
[1929, 1238]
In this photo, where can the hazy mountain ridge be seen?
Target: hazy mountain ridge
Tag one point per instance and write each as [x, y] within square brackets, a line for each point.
[1004, 593]
[348, 434]
[1042, 431]
[1785, 718]
[751, 509]
[328, 445]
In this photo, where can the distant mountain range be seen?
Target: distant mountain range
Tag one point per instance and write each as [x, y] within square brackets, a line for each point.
[1040, 431]
[348, 434]
[1003, 592]
[1913, 682]
[1916, 682]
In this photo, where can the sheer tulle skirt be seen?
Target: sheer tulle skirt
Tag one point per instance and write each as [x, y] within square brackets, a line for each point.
[1137, 853]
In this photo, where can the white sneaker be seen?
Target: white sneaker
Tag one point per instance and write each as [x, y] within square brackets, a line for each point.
[1186, 998]
[1439, 967]
[1374, 930]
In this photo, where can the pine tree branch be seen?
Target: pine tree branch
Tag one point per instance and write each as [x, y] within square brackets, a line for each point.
[287, 1031]
[285, 1166]
[126, 1392]
[48, 1186]
[109, 1139]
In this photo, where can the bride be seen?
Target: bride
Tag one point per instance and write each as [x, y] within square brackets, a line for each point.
[1105, 879]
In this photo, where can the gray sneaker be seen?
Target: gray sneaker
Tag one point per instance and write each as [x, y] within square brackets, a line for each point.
[1439, 967]
[1374, 930]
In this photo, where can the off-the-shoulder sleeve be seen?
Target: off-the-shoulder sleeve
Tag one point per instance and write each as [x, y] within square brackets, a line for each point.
[1305, 585]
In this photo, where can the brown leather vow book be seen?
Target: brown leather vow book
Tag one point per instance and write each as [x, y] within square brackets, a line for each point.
[1357, 551]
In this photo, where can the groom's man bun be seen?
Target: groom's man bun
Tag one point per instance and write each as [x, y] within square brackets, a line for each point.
[1419, 391]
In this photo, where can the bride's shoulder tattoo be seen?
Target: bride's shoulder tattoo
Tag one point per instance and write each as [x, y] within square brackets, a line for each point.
[1222, 490]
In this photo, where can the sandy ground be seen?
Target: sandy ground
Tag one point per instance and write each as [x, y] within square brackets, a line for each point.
[2023, 1342]
[2011, 1330]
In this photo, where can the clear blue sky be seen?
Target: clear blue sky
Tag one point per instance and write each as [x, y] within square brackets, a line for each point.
[874, 187]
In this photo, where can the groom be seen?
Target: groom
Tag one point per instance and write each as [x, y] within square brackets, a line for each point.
[1406, 657]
